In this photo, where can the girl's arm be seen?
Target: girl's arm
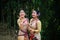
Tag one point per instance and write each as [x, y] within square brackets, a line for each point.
[38, 27]
[19, 24]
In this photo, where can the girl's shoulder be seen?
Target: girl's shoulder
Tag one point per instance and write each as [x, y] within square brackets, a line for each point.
[31, 19]
[27, 19]
[38, 21]
[18, 20]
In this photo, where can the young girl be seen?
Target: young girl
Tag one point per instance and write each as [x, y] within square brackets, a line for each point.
[35, 25]
[23, 25]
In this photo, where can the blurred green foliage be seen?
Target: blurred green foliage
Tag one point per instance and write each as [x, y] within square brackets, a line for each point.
[50, 24]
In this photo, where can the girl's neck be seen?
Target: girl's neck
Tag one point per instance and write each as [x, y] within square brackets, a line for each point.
[35, 18]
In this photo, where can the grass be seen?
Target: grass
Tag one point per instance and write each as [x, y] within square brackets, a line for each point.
[6, 34]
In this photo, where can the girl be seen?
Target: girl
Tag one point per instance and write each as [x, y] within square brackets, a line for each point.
[22, 23]
[35, 25]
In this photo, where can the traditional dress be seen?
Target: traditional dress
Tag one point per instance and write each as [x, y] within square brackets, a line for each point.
[23, 31]
[36, 25]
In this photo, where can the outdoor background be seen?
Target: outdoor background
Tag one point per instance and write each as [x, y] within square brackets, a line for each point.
[49, 16]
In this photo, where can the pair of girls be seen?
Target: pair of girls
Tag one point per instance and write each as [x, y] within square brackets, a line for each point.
[34, 27]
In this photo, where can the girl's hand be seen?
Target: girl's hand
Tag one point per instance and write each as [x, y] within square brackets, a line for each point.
[21, 23]
[32, 30]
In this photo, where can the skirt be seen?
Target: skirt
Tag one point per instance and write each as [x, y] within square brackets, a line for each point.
[38, 36]
[22, 33]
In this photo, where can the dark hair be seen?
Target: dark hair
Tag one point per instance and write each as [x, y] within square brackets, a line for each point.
[38, 12]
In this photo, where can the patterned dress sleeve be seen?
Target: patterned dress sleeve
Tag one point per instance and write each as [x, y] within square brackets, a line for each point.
[38, 27]
[18, 22]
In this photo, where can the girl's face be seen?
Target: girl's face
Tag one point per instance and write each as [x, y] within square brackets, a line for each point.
[22, 13]
[34, 14]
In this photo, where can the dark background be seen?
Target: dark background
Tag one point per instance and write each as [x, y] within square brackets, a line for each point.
[49, 17]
